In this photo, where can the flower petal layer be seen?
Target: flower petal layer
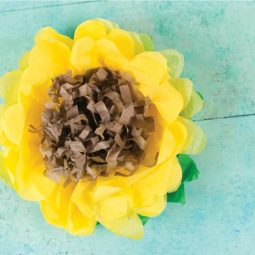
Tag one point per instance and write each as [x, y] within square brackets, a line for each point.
[49, 34]
[147, 41]
[175, 62]
[12, 123]
[49, 57]
[148, 68]
[84, 55]
[4, 173]
[114, 201]
[114, 206]
[128, 226]
[124, 42]
[184, 86]
[196, 139]
[55, 207]
[94, 29]
[167, 99]
[77, 223]
[111, 55]
[24, 60]
[9, 85]
[82, 198]
[194, 106]
[161, 178]
[150, 205]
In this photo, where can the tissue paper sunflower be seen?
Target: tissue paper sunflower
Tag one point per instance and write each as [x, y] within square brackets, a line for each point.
[97, 128]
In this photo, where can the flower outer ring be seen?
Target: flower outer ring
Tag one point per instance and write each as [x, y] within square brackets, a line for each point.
[117, 202]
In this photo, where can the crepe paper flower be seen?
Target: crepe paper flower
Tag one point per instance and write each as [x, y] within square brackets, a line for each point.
[97, 128]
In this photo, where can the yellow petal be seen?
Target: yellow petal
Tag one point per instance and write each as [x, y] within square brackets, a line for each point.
[4, 173]
[139, 47]
[155, 139]
[111, 55]
[169, 141]
[77, 223]
[175, 62]
[113, 207]
[151, 205]
[35, 187]
[179, 133]
[31, 183]
[2, 109]
[123, 41]
[196, 139]
[12, 123]
[140, 173]
[24, 60]
[194, 106]
[8, 162]
[50, 210]
[49, 34]
[167, 146]
[47, 59]
[109, 25]
[128, 226]
[50, 57]
[82, 198]
[184, 86]
[55, 207]
[167, 99]
[33, 105]
[31, 78]
[95, 29]
[84, 56]
[148, 68]
[28, 191]
[28, 166]
[160, 179]
[107, 186]
[9, 85]
[175, 176]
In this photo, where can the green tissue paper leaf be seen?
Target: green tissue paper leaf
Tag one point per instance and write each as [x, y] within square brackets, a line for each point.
[178, 196]
[147, 42]
[143, 219]
[189, 168]
[189, 173]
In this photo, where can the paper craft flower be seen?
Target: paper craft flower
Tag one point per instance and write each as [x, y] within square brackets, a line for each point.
[97, 128]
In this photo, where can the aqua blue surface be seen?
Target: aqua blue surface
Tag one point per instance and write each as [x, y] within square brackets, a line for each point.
[218, 42]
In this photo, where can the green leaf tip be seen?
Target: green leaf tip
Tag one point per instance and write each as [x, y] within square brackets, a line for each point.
[189, 168]
[189, 173]
[178, 196]
[143, 219]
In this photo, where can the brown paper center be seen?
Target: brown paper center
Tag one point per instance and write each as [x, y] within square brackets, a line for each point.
[95, 124]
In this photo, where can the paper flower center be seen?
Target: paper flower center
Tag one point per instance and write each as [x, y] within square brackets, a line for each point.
[94, 124]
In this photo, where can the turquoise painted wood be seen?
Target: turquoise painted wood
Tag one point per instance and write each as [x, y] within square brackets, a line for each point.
[218, 42]
[13, 6]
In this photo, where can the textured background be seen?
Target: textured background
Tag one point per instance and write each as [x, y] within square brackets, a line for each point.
[218, 42]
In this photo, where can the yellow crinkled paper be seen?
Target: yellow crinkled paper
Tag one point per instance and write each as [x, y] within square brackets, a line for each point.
[116, 202]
